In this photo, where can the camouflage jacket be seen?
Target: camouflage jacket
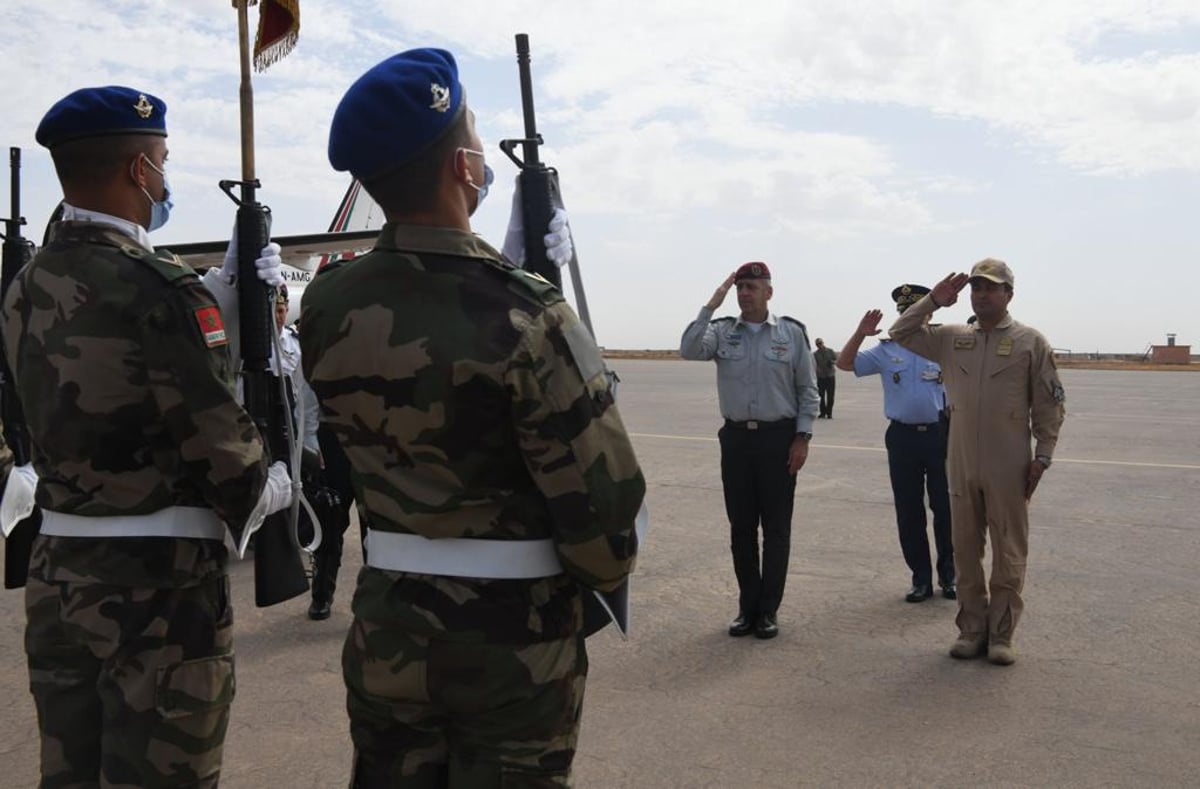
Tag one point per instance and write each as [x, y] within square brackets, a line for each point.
[123, 370]
[472, 403]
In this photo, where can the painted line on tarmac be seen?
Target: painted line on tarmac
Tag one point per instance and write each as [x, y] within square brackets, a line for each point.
[713, 440]
[1077, 461]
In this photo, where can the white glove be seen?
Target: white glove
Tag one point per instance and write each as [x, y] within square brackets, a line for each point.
[276, 495]
[18, 497]
[559, 246]
[269, 263]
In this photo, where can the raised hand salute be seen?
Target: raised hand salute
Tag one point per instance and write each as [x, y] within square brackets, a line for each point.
[946, 292]
[718, 297]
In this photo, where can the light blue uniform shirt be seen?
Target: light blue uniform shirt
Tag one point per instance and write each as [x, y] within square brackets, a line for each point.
[765, 375]
[912, 385]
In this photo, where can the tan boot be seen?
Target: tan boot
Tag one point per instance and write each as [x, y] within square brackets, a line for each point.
[1001, 654]
[969, 645]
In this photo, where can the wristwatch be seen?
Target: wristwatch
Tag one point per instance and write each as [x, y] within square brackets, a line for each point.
[1045, 461]
[805, 436]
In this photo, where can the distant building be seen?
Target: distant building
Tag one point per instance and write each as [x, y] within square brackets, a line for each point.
[1171, 353]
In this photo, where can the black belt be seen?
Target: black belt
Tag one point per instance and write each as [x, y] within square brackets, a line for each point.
[920, 428]
[756, 424]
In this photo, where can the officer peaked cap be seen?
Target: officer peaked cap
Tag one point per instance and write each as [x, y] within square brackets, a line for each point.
[395, 112]
[102, 112]
[907, 295]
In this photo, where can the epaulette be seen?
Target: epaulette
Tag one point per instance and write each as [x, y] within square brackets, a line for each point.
[542, 289]
[332, 265]
[726, 319]
[294, 330]
[166, 263]
[803, 328]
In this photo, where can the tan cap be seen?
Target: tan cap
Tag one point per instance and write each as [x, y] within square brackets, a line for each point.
[994, 270]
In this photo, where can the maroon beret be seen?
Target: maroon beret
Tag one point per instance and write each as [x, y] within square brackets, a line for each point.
[755, 270]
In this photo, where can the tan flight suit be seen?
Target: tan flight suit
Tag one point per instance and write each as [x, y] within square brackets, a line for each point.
[999, 383]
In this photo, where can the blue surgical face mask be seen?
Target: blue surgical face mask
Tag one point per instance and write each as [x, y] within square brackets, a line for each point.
[160, 210]
[488, 177]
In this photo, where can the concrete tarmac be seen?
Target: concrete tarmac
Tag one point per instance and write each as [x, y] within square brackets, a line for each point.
[858, 689]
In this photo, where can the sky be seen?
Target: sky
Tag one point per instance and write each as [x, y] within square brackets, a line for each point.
[851, 146]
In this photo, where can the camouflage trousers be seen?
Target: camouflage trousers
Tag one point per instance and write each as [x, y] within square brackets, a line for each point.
[132, 685]
[427, 713]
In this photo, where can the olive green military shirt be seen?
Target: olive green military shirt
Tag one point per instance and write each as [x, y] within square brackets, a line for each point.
[473, 403]
[122, 367]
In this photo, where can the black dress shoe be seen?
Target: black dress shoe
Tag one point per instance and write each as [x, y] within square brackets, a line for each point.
[742, 626]
[320, 609]
[950, 590]
[766, 626]
[919, 593]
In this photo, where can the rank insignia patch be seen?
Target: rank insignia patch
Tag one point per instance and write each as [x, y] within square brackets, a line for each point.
[211, 327]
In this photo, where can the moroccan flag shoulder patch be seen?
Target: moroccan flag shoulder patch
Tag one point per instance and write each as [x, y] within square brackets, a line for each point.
[211, 327]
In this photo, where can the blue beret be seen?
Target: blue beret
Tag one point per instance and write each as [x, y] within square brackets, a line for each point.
[394, 112]
[100, 112]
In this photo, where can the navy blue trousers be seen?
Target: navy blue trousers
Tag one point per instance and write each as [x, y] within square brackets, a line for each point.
[917, 464]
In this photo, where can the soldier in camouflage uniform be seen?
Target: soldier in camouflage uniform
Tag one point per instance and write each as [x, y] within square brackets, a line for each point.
[486, 451]
[123, 368]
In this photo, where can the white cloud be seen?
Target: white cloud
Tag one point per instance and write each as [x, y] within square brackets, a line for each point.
[693, 134]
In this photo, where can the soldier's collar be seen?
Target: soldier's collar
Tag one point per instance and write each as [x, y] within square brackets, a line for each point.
[1005, 323]
[435, 240]
[771, 320]
[130, 230]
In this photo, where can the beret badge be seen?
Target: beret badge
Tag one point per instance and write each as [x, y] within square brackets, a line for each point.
[144, 108]
[441, 97]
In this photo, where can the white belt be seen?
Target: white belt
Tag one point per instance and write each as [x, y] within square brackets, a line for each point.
[196, 522]
[461, 556]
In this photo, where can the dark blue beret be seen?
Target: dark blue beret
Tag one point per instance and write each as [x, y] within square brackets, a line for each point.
[100, 112]
[394, 112]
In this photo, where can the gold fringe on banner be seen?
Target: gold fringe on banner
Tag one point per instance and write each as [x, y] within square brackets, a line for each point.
[278, 29]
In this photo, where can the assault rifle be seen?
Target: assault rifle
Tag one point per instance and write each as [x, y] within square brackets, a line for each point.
[278, 570]
[540, 195]
[17, 252]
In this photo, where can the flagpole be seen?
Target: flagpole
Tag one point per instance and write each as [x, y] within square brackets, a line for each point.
[246, 90]
[278, 571]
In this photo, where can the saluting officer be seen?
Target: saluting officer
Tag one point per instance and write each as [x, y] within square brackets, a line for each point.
[487, 453]
[767, 390]
[914, 401]
[1004, 391]
[123, 368]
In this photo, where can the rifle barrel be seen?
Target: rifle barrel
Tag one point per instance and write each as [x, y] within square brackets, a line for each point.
[14, 166]
[531, 142]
